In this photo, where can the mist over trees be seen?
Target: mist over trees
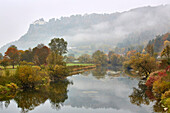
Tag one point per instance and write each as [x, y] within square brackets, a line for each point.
[99, 31]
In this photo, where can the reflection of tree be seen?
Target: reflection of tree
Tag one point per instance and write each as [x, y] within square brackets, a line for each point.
[158, 107]
[86, 73]
[99, 73]
[58, 93]
[4, 103]
[138, 96]
[28, 100]
[115, 68]
[142, 95]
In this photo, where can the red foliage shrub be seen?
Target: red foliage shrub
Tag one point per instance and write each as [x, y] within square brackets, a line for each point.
[150, 94]
[151, 80]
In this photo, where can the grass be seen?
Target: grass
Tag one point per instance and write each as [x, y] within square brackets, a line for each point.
[11, 72]
[78, 64]
[9, 67]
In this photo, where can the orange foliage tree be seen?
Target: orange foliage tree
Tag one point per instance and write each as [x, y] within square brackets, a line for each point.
[13, 55]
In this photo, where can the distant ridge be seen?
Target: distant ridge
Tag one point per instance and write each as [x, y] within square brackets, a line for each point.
[99, 31]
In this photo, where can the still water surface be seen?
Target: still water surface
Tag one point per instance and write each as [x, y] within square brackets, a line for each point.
[91, 92]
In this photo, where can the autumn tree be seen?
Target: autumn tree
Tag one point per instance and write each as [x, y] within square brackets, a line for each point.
[130, 53]
[40, 53]
[55, 59]
[99, 57]
[85, 58]
[166, 53]
[58, 45]
[110, 54]
[30, 77]
[13, 55]
[27, 56]
[56, 66]
[116, 60]
[143, 63]
[150, 49]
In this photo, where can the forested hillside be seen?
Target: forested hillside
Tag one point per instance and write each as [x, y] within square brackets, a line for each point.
[89, 32]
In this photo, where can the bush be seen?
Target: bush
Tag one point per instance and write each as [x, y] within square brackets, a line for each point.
[12, 86]
[29, 77]
[58, 72]
[8, 88]
[160, 86]
[166, 95]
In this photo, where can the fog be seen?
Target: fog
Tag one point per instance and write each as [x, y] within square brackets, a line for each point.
[136, 26]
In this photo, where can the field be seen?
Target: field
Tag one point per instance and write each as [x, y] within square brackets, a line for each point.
[12, 71]
[78, 64]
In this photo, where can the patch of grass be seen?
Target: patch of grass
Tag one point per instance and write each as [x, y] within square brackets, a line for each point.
[80, 64]
[9, 67]
[11, 72]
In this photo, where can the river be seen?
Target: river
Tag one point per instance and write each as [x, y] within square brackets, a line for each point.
[94, 91]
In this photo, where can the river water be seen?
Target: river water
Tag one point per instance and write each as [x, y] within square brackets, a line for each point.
[94, 91]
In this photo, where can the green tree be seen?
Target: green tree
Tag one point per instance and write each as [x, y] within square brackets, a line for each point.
[56, 66]
[58, 45]
[99, 58]
[55, 59]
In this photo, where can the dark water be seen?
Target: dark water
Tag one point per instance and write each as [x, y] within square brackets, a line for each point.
[91, 92]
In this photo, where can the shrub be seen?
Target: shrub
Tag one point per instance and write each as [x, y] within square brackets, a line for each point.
[30, 63]
[160, 86]
[29, 77]
[166, 95]
[151, 80]
[58, 72]
[42, 66]
[12, 86]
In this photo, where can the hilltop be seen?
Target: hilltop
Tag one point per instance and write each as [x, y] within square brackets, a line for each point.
[89, 32]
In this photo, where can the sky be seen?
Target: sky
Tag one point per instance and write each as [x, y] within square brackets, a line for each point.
[17, 15]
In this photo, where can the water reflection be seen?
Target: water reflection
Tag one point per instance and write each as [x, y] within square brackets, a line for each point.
[56, 93]
[105, 92]
[28, 100]
[92, 91]
[142, 95]
[99, 72]
[138, 96]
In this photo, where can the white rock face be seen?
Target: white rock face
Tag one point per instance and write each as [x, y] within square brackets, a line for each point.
[40, 22]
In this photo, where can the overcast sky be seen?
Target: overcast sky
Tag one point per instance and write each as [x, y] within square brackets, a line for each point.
[17, 15]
